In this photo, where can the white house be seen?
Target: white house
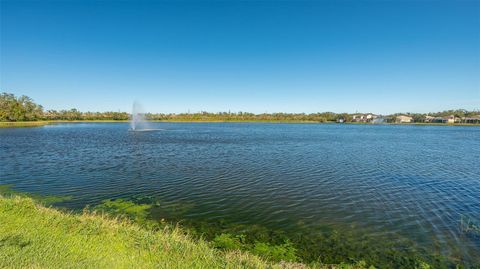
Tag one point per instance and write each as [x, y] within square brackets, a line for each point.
[403, 119]
[364, 117]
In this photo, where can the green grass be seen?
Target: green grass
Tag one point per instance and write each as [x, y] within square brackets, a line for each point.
[35, 236]
[10, 124]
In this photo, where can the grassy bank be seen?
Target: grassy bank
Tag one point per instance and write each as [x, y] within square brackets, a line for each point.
[34, 236]
[17, 124]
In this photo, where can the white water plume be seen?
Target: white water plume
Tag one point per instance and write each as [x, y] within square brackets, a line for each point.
[138, 121]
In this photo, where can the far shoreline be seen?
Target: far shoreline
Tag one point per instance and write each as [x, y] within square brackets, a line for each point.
[19, 124]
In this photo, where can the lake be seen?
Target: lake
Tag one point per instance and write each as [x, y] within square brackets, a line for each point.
[391, 182]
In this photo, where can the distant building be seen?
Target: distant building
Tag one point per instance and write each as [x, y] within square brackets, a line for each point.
[450, 119]
[439, 120]
[473, 120]
[364, 117]
[379, 120]
[340, 120]
[403, 119]
[357, 117]
[429, 119]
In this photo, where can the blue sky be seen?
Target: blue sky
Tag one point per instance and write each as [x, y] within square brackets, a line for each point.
[269, 56]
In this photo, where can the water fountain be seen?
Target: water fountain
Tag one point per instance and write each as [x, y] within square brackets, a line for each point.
[138, 123]
[138, 118]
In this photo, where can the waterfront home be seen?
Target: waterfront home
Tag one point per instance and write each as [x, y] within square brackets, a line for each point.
[364, 117]
[474, 119]
[429, 119]
[379, 119]
[358, 118]
[450, 119]
[403, 119]
[439, 120]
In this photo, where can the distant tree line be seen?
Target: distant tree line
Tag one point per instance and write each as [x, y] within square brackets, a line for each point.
[23, 108]
[246, 116]
[74, 114]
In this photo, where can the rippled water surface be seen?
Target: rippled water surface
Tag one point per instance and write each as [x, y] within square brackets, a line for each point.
[410, 182]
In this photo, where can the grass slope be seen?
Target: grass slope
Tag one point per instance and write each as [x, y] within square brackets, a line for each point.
[34, 236]
[13, 124]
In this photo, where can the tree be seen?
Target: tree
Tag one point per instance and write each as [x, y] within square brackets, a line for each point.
[19, 109]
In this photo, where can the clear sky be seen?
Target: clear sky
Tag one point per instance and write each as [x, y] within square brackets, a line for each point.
[256, 56]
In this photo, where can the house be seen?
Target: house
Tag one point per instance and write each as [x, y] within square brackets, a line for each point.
[429, 119]
[450, 119]
[358, 118]
[403, 119]
[364, 117]
[474, 119]
[439, 120]
[379, 119]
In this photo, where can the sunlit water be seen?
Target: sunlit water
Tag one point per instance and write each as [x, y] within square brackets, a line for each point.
[410, 182]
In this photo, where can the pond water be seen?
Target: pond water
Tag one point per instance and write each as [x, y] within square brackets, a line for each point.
[392, 182]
